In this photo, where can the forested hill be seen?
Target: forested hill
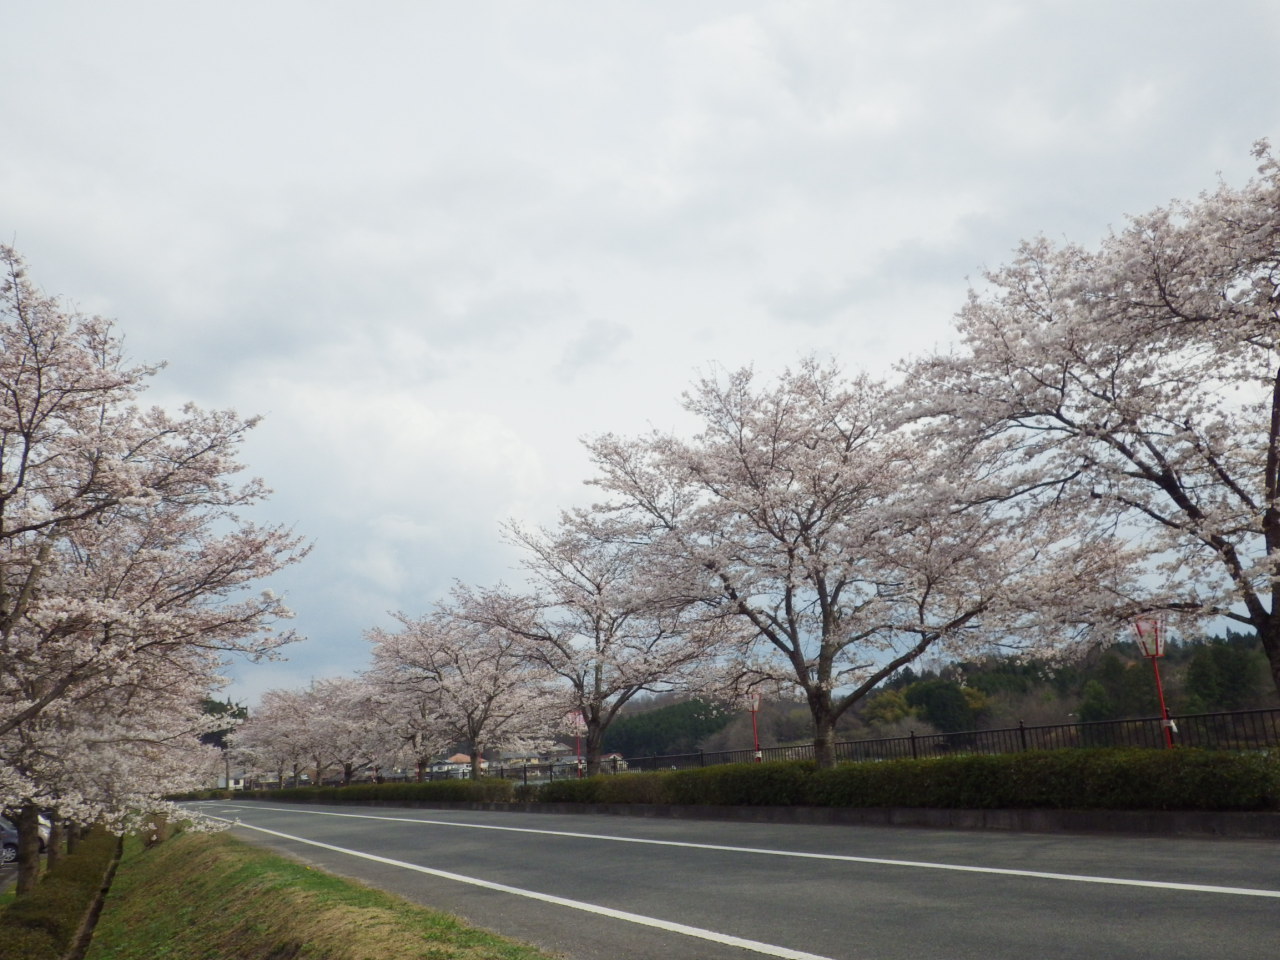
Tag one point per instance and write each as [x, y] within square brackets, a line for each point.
[665, 730]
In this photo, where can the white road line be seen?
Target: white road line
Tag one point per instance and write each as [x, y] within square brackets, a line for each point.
[755, 946]
[925, 865]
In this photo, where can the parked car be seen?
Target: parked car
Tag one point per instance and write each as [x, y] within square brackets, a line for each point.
[8, 842]
[9, 835]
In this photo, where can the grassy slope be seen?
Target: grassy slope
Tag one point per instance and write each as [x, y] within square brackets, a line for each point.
[210, 896]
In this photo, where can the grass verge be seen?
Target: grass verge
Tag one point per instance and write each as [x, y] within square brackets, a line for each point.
[210, 896]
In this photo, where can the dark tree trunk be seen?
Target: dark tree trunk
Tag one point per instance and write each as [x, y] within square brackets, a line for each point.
[824, 746]
[824, 724]
[594, 741]
[54, 849]
[28, 824]
[1269, 635]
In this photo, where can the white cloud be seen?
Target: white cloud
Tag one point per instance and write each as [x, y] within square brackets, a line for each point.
[437, 244]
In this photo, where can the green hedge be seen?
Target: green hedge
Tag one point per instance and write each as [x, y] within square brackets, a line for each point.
[442, 791]
[783, 784]
[622, 788]
[1061, 779]
[1099, 779]
[203, 795]
[42, 925]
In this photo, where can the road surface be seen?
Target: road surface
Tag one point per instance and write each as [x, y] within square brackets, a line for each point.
[630, 888]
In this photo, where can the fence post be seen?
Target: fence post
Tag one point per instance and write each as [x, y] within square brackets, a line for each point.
[1022, 734]
[702, 759]
[914, 755]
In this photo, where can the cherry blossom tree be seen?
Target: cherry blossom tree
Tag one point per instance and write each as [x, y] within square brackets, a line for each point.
[407, 713]
[463, 681]
[344, 722]
[596, 618]
[124, 563]
[1142, 380]
[842, 547]
[327, 724]
[276, 736]
[113, 520]
[108, 756]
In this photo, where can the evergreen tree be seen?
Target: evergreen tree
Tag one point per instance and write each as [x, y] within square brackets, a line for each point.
[943, 704]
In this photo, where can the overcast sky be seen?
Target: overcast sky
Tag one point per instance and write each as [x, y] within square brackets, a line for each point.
[436, 244]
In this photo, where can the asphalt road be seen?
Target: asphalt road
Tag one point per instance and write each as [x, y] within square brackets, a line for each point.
[624, 888]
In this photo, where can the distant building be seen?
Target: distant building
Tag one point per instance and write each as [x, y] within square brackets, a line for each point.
[457, 766]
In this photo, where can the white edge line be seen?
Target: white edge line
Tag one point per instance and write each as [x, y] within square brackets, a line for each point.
[925, 865]
[688, 931]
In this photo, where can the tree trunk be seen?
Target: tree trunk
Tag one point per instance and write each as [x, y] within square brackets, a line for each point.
[824, 747]
[594, 738]
[1269, 634]
[54, 849]
[476, 757]
[824, 724]
[28, 824]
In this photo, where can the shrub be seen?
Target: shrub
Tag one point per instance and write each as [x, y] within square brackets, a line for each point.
[203, 795]
[584, 790]
[742, 784]
[634, 788]
[1097, 779]
[442, 791]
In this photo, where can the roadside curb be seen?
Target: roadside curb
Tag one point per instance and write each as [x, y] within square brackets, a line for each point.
[1259, 825]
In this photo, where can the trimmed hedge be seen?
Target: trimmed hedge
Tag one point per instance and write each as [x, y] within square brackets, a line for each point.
[441, 791]
[1084, 779]
[781, 784]
[1096, 779]
[43, 924]
[620, 788]
[1060, 780]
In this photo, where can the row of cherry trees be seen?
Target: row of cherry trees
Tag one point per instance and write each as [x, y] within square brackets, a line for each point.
[806, 541]
[1103, 442]
[124, 568]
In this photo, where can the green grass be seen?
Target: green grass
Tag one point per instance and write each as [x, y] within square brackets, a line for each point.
[212, 897]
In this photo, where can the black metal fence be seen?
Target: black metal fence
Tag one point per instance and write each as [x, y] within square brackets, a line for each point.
[1243, 730]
